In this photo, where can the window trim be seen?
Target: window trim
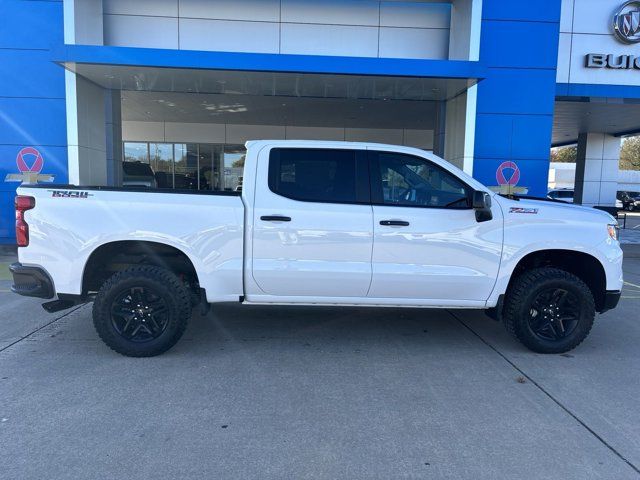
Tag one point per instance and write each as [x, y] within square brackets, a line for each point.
[362, 172]
[377, 196]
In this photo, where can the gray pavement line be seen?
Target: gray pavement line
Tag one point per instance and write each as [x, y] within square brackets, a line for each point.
[543, 390]
[40, 328]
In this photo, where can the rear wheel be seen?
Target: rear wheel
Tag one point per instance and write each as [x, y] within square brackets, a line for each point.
[142, 311]
[549, 310]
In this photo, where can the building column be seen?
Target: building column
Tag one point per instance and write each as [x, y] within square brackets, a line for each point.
[439, 129]
[87, 149]
[113, 120]
[597, 166]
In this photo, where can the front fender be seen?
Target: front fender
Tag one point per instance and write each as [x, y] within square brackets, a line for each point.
[608, 253]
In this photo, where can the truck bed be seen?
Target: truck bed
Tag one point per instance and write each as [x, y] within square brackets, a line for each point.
[70, 222]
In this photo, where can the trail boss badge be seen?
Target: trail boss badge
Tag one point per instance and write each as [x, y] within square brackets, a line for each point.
[523, 210]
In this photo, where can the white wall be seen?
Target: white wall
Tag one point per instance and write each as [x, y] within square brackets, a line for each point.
[460, 130]
[83, 22]
[238, 134]
[629, 180]
[364, 28]
[586, 27]
[562, 175]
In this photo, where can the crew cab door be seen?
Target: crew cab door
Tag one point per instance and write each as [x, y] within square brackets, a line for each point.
[312, 223]
[428, 244]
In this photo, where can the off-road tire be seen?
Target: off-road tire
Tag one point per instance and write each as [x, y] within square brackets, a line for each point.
[524, 290]
[164, 284]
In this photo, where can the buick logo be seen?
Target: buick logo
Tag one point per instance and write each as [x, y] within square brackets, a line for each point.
[626, 22]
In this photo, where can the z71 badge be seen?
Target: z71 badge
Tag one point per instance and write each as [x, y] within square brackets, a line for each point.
[69, 194]
[523, 210]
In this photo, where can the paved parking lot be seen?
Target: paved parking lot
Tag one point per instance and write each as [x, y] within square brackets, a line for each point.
[292, 392]
[633, 220]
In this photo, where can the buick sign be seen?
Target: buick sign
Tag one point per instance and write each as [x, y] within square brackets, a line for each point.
[626, 22]
[626, 27]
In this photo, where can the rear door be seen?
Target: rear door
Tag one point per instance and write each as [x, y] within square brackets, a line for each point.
[428, 244]
[312, 223]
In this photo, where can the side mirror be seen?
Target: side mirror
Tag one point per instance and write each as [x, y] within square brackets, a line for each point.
[482, 206]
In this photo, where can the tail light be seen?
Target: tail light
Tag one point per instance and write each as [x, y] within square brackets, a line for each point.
[23, 204]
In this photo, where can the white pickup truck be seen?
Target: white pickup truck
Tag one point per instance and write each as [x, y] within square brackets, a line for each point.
[318, 223]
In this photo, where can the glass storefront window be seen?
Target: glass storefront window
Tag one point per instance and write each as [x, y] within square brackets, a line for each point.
[162, 163]
[191, 166]
[186, 167]
[233, 167]
[209, 167]
[136, 152]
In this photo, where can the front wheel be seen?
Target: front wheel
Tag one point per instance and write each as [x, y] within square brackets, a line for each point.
[549, 310]
[142, 311]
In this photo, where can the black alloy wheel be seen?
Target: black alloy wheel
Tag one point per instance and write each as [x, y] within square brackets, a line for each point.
[554, 314]
[138, 314]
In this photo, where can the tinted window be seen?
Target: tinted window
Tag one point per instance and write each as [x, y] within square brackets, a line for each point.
[316, 175]
[413, 181]
[137, 169]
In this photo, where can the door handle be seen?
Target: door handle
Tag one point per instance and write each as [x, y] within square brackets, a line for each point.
[394, 223]
[275, 218]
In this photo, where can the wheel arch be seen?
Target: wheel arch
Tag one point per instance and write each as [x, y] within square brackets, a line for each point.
[114, 256]
[583, 265]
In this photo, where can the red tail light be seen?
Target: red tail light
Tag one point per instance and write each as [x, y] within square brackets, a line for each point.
[22, 229]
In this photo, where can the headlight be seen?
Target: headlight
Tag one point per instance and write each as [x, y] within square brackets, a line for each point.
[613, 231]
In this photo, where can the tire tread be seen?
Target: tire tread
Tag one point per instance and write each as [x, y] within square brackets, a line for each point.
[178, 290]
[517, 293]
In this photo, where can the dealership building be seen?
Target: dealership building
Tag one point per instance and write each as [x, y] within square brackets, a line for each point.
[92, 89]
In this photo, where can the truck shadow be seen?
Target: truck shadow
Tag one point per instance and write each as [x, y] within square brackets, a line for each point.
[230, 327]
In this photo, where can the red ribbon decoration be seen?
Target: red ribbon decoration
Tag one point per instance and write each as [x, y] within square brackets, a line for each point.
[515, 177]
[37, 165]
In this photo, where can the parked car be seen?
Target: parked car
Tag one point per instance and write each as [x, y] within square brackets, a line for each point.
[138, 174]
[318, 223]
[561, 194]
[630, 200]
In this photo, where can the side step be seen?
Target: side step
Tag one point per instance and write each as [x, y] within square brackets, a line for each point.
[57, 305]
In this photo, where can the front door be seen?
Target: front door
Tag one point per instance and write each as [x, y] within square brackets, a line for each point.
[312, 225]
[428, 244]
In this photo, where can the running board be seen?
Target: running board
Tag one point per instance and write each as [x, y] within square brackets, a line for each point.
[57, 305]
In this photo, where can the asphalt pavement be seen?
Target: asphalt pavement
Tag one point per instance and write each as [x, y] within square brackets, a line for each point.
[298, 392]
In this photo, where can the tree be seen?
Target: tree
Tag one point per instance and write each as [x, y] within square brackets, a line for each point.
[564, 154]
[239, 163]
[630, 154]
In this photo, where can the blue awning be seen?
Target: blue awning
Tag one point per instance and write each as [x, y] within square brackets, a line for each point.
[145, 69]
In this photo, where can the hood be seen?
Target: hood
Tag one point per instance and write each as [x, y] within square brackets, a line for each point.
[550, 208]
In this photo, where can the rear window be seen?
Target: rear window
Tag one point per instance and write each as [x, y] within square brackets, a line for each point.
[137, 169]
[313, 175]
